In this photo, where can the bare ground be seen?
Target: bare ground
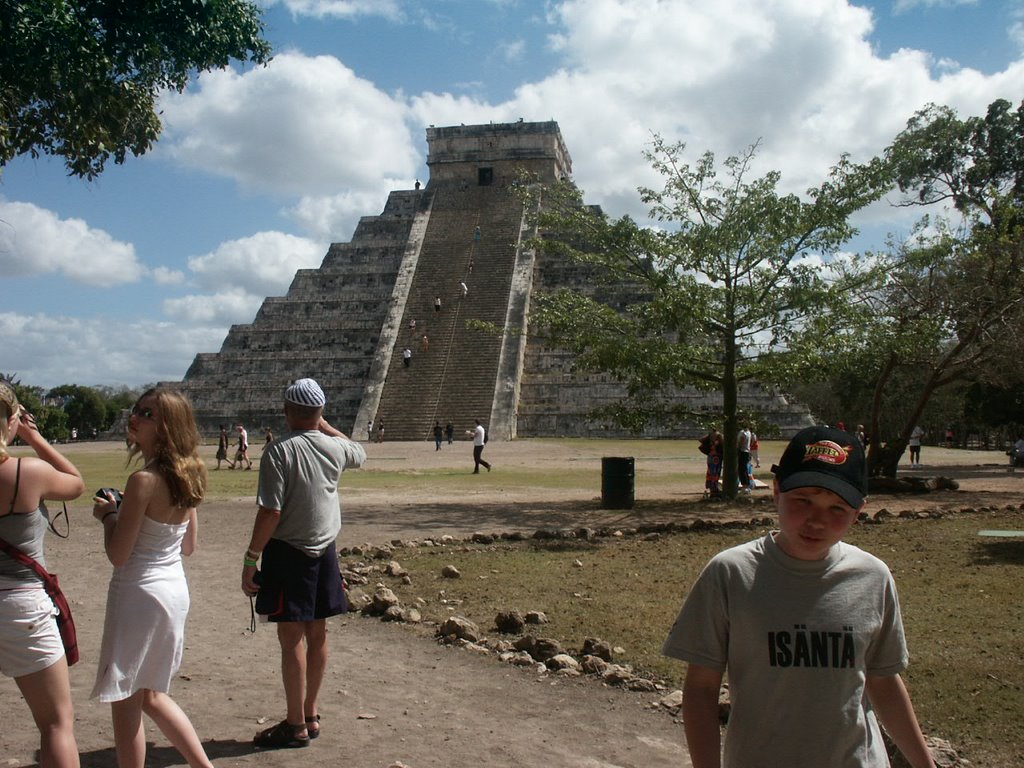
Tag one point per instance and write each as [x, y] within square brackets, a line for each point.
[392, 695]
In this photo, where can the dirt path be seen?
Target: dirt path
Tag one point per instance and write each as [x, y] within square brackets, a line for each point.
[390, 694]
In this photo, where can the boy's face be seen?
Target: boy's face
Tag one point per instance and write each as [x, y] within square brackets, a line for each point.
[811, 521]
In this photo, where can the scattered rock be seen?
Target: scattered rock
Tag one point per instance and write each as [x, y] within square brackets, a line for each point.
[546, 647]
[942, 753]
[462, 628]
[592, 665]
[593, 646]
[383, 598]
[509, 622]
[535, 617]
[563, 661]
[614, 674]
[641, 684]
[411, 616]
[451, 572]
[672, 700]
[393, 613]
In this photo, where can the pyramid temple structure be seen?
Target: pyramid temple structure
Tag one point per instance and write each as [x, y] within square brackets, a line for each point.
[383, 323]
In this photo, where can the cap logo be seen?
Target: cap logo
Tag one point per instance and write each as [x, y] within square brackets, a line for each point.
[827, 452]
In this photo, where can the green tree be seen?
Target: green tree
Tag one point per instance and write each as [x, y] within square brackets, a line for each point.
[80, 80]
[726, 288]
[85, 408]
[949, 300]
[51, 421]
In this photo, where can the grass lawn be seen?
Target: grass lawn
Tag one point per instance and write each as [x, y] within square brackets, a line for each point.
[960, 595]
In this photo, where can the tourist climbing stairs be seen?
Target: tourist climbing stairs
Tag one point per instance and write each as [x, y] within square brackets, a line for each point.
[451, 376]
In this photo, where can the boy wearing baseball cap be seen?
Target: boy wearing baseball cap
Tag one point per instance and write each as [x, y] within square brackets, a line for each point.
[807, 626]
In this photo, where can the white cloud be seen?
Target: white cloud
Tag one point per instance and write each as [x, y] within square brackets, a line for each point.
[801, 77]
[165, 276]
[48, 350]
[333, 218]
[512, 50]
[344, 9]
[263, 264]
[35, 241]
[299, 126]
[214, 310]
[902, 6]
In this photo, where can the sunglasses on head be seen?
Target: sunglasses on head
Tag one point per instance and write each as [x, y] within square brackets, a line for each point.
[142, 413]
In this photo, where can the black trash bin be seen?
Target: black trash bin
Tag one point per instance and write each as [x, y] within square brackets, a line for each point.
[617, 482]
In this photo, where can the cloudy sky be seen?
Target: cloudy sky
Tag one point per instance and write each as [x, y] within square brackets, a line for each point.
[124, 279]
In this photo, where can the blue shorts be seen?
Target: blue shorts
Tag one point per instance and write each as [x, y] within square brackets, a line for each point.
[297, 587]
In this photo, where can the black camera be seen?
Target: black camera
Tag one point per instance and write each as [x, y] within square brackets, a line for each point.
[108, 494]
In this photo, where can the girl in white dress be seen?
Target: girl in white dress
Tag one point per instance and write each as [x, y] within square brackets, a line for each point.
[145, 536]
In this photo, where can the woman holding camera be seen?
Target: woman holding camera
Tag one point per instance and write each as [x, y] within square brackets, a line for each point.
[31, 650]
[145, 535]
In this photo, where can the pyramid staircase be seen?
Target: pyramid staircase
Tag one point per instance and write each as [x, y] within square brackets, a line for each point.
[452, 377]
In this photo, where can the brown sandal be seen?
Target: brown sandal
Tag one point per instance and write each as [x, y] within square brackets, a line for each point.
[313, 726]
[284, 735]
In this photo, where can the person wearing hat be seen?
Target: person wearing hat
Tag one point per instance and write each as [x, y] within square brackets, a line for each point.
[807, 626]
[298, 585]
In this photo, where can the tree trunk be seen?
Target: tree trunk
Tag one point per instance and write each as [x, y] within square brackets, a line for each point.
[884, 460]
[730, 399]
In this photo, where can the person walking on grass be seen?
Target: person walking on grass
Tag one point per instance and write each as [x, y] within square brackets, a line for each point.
[293, 538]
[223, 443]
[242, 454]
[479, 440]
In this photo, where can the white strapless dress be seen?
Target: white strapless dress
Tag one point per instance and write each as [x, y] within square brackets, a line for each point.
[144, 629]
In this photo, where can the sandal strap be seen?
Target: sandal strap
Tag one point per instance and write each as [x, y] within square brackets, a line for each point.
[284, 734]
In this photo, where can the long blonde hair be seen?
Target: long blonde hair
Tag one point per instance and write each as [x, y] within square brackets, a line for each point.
[8, 407]
[177, 447]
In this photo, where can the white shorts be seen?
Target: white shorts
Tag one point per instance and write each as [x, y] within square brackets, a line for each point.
[29, 638]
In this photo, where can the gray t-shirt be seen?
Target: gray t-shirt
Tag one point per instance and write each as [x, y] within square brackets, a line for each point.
[797, 638]
[299, 474]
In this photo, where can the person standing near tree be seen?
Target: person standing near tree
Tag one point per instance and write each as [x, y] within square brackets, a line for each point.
[293, 538]
[743, 456]
[915, 446]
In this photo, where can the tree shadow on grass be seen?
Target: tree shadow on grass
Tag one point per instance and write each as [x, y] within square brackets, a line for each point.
[999, 552]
